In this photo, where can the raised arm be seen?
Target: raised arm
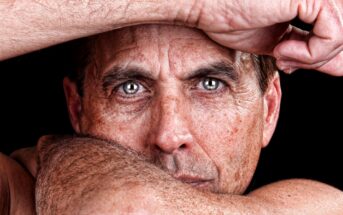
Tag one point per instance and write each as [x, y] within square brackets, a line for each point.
[258, 26]
[34, 24]
[88, 176]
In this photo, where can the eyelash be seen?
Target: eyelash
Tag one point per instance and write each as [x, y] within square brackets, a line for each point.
[119, 88]
[221, 84]
[199, 89]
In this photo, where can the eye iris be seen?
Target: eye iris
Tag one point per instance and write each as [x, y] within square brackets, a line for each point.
[210, 84]
[130, 87]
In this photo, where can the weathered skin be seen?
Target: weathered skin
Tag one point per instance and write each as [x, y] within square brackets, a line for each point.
[259, 26]
[90, 176]
[213, 136]
[207, 139]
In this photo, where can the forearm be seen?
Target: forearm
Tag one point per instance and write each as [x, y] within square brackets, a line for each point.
[93, 177]
[96, 177]
[28, 25]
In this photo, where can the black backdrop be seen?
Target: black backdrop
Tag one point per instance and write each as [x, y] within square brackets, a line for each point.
[306, 144]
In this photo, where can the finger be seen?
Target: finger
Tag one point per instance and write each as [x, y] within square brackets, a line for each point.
[294, 33]
[332, 67]
[298, 47]
[290, 64]
[324, 42]
[259, 41]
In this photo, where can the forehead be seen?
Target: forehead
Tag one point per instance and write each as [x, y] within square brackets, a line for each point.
[159, 47]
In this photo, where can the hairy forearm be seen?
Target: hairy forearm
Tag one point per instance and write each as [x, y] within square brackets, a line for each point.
[89, 176]
[93, 177]
[28, 25]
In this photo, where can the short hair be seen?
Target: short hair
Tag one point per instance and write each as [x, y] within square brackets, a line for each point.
[81, 51]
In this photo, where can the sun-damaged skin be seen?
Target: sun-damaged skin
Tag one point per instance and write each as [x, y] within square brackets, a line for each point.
[90, 176]
[171, 147]
[210, 140]
[259, 26]
[197, 135]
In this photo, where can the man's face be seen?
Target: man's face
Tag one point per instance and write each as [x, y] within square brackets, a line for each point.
[188, 104]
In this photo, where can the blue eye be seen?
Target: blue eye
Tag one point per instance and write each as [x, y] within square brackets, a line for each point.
[130, 87]
[211, 84]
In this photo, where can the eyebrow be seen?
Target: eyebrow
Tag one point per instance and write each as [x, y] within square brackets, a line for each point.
[218, 68]
[117, 73]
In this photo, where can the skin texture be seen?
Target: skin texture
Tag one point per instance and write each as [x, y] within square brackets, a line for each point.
[259, 26]
[32, 25]
[92, 176]
[263, 31]
[16, 188]
[209, 138]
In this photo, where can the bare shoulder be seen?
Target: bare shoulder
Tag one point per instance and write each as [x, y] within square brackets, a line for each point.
[16, 188]
[4, 188]
[6, 164]
[301, 196]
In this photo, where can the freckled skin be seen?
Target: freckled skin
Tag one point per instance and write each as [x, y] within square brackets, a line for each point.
[187, 131]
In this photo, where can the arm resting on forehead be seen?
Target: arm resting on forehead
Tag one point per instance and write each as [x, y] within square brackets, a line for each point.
[31, 25]
[94, 177]
[258, 26]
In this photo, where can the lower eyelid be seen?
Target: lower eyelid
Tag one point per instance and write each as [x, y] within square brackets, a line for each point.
[133, 100]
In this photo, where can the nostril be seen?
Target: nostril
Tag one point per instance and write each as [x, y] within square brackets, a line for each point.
[183, 146]
[158, 148]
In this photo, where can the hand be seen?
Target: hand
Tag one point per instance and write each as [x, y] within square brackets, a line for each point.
[262, 27]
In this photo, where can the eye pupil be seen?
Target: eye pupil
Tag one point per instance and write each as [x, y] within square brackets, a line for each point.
[131, 87]
[210, 84]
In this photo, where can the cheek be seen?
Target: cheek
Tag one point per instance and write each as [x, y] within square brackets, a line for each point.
[220, 132]
[232, 138]
[101, 119]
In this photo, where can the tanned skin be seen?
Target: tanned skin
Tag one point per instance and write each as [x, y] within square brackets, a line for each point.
[92, 176]
[252, 26]
[16, 188]
[207, 142]
[32, 25]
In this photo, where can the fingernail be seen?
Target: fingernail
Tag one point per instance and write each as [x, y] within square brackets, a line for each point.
[289, 70]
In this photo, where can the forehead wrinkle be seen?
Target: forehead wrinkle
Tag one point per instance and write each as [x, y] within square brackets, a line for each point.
[204, 54]
[105, 59]
[245, 65]
[111, 44]
[163, 48]
[142, 37]
[113, 61]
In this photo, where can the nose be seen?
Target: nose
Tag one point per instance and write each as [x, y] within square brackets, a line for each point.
[173, 132]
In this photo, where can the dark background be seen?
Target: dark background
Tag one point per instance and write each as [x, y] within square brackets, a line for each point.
[306, 144]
